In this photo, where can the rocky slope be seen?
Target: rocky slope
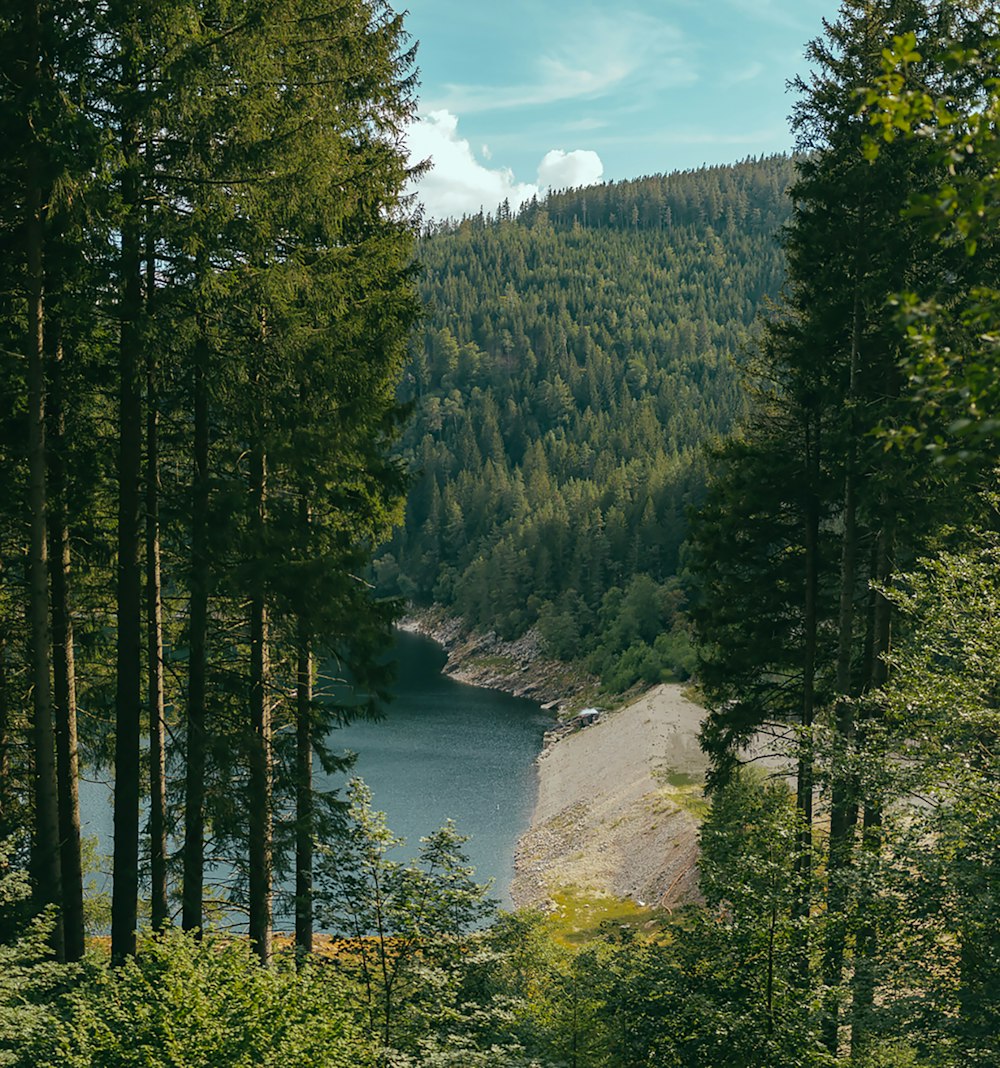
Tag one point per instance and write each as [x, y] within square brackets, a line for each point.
[517, 667]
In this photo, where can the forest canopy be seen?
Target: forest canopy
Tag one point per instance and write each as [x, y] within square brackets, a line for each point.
[208, 289]
[574, 362]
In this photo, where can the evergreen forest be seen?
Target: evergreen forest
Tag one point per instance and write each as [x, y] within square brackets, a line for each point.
[738, 424]
[574, 362]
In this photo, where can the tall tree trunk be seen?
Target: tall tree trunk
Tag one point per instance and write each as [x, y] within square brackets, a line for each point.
[5, 742]
[159, 907]
[197, 741]
[843, 802]
[64, 676]
[304, 816]
[47, 885]
[805, 775]
[128, 701]
[260, 732]
[882, 636]
[866, 943]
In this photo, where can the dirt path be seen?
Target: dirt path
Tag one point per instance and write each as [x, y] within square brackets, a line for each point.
[618, 806]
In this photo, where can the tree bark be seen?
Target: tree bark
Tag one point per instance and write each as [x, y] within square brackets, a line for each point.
[64, 677]
[5, 743]
[159, 906]
[866, 943]
[260, 731]
[128, 701]
[843, 802]
[805, 775]
[196, 726]
[304, 816]
[47, 876]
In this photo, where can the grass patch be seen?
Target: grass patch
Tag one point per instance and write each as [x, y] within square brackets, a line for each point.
[680, 779]
[581, 916]
[686, 790]
[692, 691]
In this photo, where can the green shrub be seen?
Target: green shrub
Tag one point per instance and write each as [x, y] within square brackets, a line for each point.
[185, 1003]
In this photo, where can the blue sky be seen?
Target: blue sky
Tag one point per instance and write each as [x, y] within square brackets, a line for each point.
[520, 96]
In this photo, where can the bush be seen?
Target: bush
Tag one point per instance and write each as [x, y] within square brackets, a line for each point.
[30, 980]
[203, 1004]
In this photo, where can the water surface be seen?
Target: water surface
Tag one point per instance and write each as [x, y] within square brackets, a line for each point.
[444, 750]
[449, 750]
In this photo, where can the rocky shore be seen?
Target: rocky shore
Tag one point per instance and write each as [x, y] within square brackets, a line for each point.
[619, 802]
[518, 667]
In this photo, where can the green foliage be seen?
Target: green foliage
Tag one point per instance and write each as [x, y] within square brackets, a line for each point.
[748, 561]
[939, 890]
[641, 635]
[696, 998]
[29, 980]
[737, 958]
[407, 922]
[951, 329]
[574, 361]
[200, 1004]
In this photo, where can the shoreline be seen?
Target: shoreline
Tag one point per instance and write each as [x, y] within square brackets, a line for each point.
[518, 667]
[618, 804]
[618, 808]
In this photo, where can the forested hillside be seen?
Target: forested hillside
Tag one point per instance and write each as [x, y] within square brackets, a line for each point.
[206, 295]
[574, 361]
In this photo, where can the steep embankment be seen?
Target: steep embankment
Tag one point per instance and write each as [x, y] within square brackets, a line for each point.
[618, 807]
[618, 802]
[482, 658]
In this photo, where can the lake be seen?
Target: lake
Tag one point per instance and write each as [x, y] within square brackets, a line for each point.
[444, 750]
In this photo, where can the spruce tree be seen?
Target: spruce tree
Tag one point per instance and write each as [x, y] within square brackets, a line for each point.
[833, 528]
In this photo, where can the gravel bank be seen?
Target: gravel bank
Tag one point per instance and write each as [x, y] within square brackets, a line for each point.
[619, 802]
[617, 808]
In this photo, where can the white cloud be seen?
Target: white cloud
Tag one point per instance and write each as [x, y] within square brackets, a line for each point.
[459, 184]
[566, 170]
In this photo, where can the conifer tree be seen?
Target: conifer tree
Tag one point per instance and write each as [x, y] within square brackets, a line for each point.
[851, 249]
